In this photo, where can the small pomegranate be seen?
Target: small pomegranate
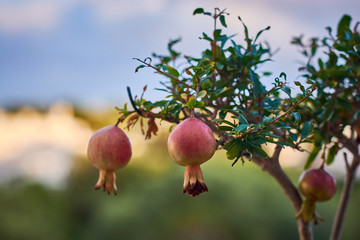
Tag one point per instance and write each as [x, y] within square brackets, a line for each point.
[190, 144]
[109, 149]
[316, 185]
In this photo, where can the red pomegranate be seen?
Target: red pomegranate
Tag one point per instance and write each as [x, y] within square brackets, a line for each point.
[316, 185]
[190, 144]
[109, 149]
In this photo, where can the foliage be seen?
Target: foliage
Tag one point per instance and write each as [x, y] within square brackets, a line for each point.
[224, 89]
[335, 107]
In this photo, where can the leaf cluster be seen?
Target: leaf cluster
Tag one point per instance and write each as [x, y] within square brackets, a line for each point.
[333, 64]
[224, 89]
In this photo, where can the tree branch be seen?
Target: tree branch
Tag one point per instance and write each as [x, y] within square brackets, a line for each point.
[285, 113]
[272, 166]
[345, 197]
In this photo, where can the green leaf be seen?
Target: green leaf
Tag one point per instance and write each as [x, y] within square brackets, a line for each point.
[164, 90]
[260, 32]
[240, 128]
[293, 136]
[226, 122]
[246, 31]
[173, 71]
[332, 153]
[148, 105]
[302, 88]
[270, 134]
[198, 11]
[199, 104]
[343, 26]
[306, 130]
[312, 156]
[256, 150]
[258, 87]
[242, 119]
[235, 149]
[222, 20]
[202, 94]
[267, 120]
[171, 128]
[225, 128]
[297, 116]
[191, 103]
[287, 90]
[140, 66]
[222, 114]
[206, 84]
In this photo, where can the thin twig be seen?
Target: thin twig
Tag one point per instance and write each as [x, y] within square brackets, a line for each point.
[162, 72]
[346, 162]
[132, 101]
[284, 114]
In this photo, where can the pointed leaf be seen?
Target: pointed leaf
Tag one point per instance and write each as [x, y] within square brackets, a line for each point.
[287, 90]
[199, 104]
[297, 116]
[306, 130]
[260, 32]
[198, 11]
[258, 87]
[242, 119]
[312, 155]
[140, 66]
[332, 153]
[191, 103]
[222, 20]
[344, 25]
[256, 150]
[173, 71]
[235, 149]
[240, 128]
[267, 120]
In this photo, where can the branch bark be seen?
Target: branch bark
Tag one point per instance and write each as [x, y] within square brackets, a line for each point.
[272, 166]
[345, 197]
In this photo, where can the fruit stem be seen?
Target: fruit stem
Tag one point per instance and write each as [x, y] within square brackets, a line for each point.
[117, 123]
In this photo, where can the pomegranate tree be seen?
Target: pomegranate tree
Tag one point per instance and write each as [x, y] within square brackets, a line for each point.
[227, 90]
[109, 149]
[190, 144]
[316, 185]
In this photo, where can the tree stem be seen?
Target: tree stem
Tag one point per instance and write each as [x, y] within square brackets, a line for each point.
[272, 166]
[345, 197]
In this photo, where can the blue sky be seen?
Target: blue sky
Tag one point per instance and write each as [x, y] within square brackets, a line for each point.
[82, 50]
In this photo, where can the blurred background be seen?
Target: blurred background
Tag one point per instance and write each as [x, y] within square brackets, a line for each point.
[65, 64]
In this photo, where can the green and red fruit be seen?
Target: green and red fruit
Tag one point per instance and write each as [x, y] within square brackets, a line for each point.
[317, 184]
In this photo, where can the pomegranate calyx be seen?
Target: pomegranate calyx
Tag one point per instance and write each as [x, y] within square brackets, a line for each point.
[307, 211]
[193, 181]
[107, 180]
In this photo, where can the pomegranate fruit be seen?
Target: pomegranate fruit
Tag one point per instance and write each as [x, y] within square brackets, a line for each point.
[316, 185]
[190, 144]
[109, 149]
